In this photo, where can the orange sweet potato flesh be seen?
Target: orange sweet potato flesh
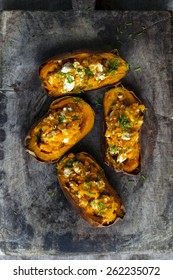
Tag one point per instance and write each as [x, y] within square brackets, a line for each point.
[68, 120]
[123, 118]
[80, 72]
[86, 187]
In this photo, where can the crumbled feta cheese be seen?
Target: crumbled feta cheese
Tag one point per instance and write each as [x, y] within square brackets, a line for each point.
[95, 205]
[69, 109]
[76, 167]
[66, 67]
[106, 199]
[107, 134]
[100, 77]
[76, 64]
[65, 140]
[121, 158]
[100, 184]
[120, 96]
[69, 86]
[67, 172]
[126, 136]
[96, 67]
[51, 117]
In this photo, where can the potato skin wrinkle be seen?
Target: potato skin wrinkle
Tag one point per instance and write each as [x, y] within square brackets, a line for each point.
[68, 120]
[81, 72]
[86, 187]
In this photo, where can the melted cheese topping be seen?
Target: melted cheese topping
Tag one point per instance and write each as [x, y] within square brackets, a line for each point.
[84, 181]
[122, 134]
[59, 127]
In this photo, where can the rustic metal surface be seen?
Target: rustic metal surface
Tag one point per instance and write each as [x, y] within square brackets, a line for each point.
[35, 218]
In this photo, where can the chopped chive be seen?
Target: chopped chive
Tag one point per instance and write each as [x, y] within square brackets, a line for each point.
[114, 64]
[37, 136]
[139, 33]
[14, 212]
[131, 180]
[137, 69]
[61, 118]
[89, 184]
[113, 149]
[143, 177]
[75, 117]
[124, 122]
[128, 66]
[79, 90]
[118, 29]
[69, 163]
[79, 70]
[90, 86]
[129, 23]
[77, 99]
[88, 8]
[102, 205]
[70, 79]
[88, 72]
[52, 194]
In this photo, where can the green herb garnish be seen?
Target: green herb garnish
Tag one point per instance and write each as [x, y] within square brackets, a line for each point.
[77, 99]
[103, 207]
[37, 136]
[124, 122]
[112, 149]
[61, 118]
[74, 117]
[69, 163]
[14, 213]
[139, 33]
[114, 64]
[88, 72]
[52, 194]
[70, 79]
[89, 184]
[143, 177]
[129, 23]
[79, 90]
[138, 69]
[128, 66]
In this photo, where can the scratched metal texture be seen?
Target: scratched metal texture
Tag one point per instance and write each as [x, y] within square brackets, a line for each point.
[35, 218]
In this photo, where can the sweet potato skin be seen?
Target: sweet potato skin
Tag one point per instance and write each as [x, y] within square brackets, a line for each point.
[117, 68]
[131, 167]
[93, 220]
[34, 148]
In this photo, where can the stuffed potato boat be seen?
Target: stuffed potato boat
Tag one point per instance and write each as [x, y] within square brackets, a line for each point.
[86, 187]
[123, 118]
[68, 120]
[79, 72]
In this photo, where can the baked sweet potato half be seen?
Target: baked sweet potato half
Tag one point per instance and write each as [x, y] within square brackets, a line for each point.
[123, 118]
[79, 72]
[68, 120]
[86, 187]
